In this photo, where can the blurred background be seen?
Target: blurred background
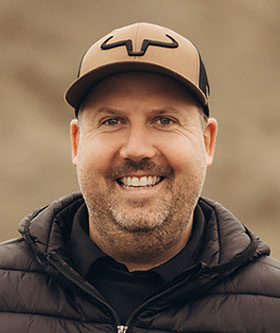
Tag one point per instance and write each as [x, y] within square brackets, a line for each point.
[41, 45]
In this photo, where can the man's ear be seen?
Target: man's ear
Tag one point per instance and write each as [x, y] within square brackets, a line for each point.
[210, 134]
[75, 137]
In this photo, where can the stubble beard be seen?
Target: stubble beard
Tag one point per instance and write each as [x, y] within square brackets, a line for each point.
[135, 230]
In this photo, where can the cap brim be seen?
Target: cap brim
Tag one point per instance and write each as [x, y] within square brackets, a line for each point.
[79, 89]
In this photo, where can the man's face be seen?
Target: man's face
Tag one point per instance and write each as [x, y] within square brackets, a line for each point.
[141, 154]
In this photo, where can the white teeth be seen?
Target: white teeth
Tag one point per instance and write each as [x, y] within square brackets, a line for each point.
[140, 181]
[143, 181]
[135, 181]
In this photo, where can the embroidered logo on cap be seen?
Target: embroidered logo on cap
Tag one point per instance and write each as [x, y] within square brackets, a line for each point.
[145, 44]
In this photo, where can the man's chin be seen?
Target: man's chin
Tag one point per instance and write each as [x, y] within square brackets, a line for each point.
[134, 205]
[139, 220]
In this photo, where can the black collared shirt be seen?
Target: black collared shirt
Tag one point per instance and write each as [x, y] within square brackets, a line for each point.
[122, 289]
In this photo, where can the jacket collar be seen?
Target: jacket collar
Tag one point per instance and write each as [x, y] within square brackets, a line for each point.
[227, 244]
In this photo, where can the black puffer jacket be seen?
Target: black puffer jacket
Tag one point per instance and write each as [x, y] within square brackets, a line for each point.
[235, 287]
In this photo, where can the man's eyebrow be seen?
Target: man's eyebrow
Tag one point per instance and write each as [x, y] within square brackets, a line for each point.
[104, 109]
[115, 112]
[168, 109]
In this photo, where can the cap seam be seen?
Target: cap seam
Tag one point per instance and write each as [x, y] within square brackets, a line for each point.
[135, 39]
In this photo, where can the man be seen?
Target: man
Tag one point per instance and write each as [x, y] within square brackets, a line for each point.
[138, 250]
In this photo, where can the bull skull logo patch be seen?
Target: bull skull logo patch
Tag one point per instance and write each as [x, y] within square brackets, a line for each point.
[145, 44]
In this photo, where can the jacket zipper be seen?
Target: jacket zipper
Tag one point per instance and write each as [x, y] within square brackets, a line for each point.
[136, 311]
[122, 329]
[132, 316]
[149, 301]
[61, 269]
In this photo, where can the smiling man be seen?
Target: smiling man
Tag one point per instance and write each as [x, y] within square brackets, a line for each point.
[141, 147]
[138, 250]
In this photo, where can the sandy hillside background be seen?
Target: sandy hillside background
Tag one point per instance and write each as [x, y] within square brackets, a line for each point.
[41, 44]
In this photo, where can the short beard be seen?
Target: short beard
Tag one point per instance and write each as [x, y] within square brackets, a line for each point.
[141, 217]
[142, 232]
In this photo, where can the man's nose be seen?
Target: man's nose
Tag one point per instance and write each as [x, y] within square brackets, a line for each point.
[138, 145]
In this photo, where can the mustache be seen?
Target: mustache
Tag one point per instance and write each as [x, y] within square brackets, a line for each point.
[145, 165]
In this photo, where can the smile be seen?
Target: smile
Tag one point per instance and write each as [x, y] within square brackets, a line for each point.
[134, 182]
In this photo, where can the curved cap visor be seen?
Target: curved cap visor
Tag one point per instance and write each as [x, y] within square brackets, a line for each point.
[80, 88]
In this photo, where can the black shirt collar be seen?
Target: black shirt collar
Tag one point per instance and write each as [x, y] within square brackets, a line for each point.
[83, 250]
[85, 253]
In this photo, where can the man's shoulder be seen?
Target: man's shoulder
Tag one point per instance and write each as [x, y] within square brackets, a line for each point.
[270, 263]
[16, 255]
[260, 277]
[265, 273]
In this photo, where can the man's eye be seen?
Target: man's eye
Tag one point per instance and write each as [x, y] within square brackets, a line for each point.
[112, 121]
[165, 121]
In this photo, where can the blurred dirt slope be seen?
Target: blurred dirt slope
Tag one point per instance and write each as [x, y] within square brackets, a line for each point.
[41, 44]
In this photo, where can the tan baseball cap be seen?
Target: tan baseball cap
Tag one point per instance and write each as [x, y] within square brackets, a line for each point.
[141, 47]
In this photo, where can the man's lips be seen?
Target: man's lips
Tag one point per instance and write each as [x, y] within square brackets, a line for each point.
[142, 174]
[139, 181]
